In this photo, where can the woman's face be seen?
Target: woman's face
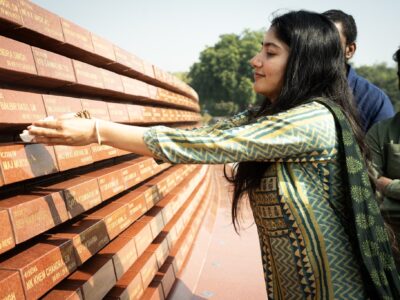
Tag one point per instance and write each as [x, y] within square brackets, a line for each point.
[269, 66]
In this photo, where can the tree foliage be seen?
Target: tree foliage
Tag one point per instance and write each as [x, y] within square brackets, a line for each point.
[385, 78]
[223, 75]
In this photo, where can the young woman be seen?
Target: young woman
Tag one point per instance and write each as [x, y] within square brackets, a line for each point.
[300, 161]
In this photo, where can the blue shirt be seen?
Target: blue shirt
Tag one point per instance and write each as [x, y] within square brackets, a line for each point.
[372, 103]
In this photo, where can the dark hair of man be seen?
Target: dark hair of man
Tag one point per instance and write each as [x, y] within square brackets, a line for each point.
[349, 27]
[315, 69]
[396, 58]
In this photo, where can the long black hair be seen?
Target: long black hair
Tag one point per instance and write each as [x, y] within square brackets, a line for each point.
[315, 68]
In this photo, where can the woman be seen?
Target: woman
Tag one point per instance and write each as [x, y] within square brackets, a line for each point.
[320, 231]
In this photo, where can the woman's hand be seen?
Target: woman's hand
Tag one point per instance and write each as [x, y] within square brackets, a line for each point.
[64, 131]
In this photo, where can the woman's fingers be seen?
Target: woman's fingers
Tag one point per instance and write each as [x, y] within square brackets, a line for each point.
[54, 124]
[42, 131]
[50, 141]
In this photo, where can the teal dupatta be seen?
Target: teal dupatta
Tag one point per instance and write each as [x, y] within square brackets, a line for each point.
[367, 230]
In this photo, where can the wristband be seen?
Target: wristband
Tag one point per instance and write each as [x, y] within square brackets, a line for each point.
[96, 126]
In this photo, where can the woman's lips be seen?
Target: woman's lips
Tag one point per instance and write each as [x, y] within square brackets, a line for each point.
[258, 76]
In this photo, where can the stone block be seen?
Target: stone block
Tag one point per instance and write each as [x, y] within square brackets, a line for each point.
[141, 232]
[76, 36]
[69, 157]
[115, 217]
[33, 213]
[7, 241]
[122, 251]
[97, 109]
[16, 60]
[59, 105]
[80, 193]
[40, 20]
[20, 162]
[11, 285]
[54, 70]
[88, 237]
[17, 108]
[118, 112]
[43, 265]
[97, 278]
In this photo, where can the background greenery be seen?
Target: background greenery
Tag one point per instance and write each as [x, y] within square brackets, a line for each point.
[223, 77]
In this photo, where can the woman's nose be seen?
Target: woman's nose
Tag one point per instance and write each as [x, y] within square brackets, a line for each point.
[255, 62]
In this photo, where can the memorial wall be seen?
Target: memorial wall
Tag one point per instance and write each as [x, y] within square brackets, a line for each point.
[89, 222]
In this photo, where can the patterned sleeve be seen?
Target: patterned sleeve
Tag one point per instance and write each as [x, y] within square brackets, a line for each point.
[237, 120]
[303, 133]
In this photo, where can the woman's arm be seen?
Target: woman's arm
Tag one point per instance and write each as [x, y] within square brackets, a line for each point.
[78, 132]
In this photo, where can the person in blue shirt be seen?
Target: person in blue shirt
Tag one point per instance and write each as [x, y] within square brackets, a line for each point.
[372, 103]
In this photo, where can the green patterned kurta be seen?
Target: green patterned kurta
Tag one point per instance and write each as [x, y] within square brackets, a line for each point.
[298, 207]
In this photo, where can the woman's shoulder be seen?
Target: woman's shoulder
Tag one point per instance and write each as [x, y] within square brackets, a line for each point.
[306, 110]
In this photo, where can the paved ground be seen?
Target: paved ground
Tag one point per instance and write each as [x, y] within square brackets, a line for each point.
[222, 264]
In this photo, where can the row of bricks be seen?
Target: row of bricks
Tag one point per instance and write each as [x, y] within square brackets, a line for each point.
[25, 21]
[45, 264]
[34, 67]
[134, 270]
[27, 213]
[18, 107]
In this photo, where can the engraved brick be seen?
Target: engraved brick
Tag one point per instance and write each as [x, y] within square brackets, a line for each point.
[148, 69]
[167, 277]
[60, 105]
[135, 113]
[148, 267]
[141, 232]
[43, 265]
[103, 47]
[40, 20]
[128, 287]
[101, 152]
[97, 278]
[88, 237]
[80, 194]
[69, 157]
[76, 36]
[135, 204]
[6, 234]
[136, 65]
[11, 285]
[160, 248]
[20, 107]
[20, 162]
[97, 109]
[131, 174]
[153, 92]
[16, 60]
[112, 81]
[155, 219]
[88, 75]
[66, 290]
[118, 112]
[110, 181]
[115, 217]
[122, 57]
[122, 251]
[34, 213]
[135, 87]
[9, 15]
[154, 291]
[54, 66]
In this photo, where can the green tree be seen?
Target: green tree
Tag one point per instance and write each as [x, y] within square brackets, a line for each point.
[224, 75]
[385, 78]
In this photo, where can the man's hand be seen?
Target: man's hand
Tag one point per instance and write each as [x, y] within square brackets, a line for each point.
[382, 182]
